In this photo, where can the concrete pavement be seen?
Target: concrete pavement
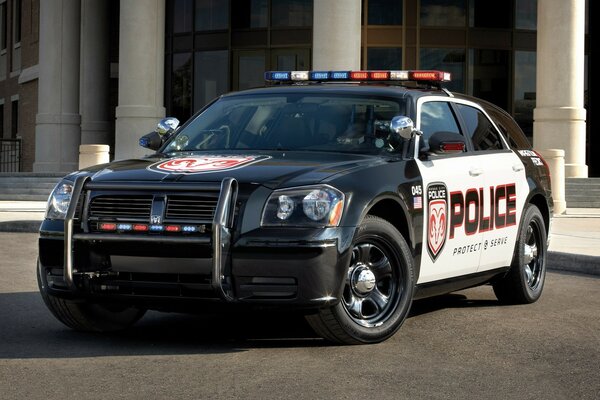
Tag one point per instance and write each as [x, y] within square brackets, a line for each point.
[574, 241]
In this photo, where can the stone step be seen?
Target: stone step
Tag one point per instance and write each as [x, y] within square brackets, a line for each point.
[23, 197]
[25, 190]
[28, 186]
[582, 192]
[29, 179]
[583, 204]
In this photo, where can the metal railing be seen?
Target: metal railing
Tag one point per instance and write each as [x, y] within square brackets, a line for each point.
[10, 155]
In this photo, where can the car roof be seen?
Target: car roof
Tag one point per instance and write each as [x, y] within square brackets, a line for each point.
[345, 88]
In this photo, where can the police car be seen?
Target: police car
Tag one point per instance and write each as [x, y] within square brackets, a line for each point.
[344, 194]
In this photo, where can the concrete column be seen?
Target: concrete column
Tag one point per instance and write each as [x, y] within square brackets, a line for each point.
[141, 74]
[95, 72]
[336, 34]
[57, 130]
[93, 154]
[559, 116]
[555, 158]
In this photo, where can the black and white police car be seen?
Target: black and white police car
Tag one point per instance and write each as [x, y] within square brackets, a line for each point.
[345, 194]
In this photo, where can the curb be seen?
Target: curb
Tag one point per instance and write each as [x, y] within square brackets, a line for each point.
[577, 263]
[27, 226]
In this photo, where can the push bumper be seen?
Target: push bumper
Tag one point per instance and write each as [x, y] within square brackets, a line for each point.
[303, 267]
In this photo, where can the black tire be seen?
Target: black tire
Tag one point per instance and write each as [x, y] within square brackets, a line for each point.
[85, 316]
[378, 289]
[524, 282]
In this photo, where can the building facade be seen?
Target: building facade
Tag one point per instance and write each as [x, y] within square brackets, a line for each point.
[119, 66]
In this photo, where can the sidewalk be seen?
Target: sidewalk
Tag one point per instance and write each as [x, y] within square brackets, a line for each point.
[574, 241]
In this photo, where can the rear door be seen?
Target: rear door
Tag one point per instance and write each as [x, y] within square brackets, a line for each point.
[505, 187]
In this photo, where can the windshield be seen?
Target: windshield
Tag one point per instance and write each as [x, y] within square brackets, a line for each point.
[302, 122]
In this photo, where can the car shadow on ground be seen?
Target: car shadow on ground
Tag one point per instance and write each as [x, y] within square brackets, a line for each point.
[30, 331]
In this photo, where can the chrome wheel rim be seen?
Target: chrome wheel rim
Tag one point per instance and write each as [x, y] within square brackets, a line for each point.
[371, 290]
[533, 257]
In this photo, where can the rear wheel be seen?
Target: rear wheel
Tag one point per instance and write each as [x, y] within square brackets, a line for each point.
[82, 315]
[378, 288]
[524, 282]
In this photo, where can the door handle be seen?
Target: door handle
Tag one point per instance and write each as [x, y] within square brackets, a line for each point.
[518, 167]
[475, 171]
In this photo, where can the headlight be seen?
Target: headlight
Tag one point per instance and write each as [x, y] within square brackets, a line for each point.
[304, 206]
[59, 200]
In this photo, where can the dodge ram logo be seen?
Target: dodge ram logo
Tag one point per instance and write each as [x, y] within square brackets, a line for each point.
[437, 218]
[196, 165]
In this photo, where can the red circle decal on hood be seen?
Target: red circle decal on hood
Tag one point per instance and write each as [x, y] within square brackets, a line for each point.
[195, 165]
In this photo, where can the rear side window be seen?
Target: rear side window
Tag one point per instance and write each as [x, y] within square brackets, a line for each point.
[510, 129]
[480, 129]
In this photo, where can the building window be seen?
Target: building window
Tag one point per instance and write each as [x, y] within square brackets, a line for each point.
[385, 12]
[524, 95]
[16, 21]
[490, 71]
[211, 76]
[526, 14]
[384, 58]
[450, 60]
[183, 10]
[443, 13]
[2, 119]
[483, 15]
[14, 129]
[291, 13]
[251, 70]
[250, 14]
[211, 15]
[3, 26]
[181, 86]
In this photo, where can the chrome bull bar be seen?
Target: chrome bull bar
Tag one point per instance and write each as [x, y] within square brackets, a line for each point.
[221, 235]
[68, 260]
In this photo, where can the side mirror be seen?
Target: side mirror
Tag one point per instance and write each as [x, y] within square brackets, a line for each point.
[402, 126]
[167, 126]
[447, 143]
[164, 129]
[151, 141]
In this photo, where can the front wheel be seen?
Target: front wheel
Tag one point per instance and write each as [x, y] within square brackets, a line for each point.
[378, 288]
[524, 282]
[82, 315]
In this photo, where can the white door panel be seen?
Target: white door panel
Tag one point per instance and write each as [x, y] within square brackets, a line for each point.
[506, 192]
[449, 248]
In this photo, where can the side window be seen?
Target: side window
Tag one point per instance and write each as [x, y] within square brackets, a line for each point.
[479, 128]
[510, 129]
[437, 116]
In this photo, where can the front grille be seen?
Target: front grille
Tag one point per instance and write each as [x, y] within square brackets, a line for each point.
[121, 207]
[179, 208]
[190, 208]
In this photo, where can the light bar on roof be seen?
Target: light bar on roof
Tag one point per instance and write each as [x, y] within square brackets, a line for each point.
[438, 76]
[357, 76]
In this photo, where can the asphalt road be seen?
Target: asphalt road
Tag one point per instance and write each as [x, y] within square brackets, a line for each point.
[459, 346]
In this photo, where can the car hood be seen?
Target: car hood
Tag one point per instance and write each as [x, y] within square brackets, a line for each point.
[271, 169]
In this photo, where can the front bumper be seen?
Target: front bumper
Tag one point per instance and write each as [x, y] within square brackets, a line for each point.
[261, 269]
[299, 266]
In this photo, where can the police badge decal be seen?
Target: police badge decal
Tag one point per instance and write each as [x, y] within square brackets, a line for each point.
[437, 220]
